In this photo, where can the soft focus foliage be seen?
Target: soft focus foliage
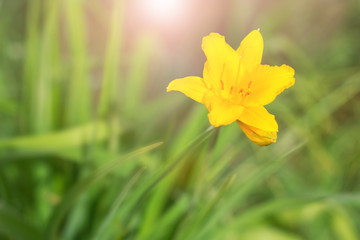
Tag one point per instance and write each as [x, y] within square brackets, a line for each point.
[92, 146]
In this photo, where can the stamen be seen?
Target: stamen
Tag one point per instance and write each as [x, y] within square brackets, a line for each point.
[222, 84]
[249, 84]
[221, 76]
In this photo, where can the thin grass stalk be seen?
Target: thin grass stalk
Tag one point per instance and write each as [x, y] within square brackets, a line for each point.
[256, 177]
[136, 79]
[78, 102]
[101, 232]
[31, 66]
[110, 79]
[43, 117]
[72, 195]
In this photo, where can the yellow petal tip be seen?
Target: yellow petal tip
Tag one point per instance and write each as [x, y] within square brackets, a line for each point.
[192, 87]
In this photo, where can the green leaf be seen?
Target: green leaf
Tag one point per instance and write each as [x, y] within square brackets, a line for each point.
[58, 141]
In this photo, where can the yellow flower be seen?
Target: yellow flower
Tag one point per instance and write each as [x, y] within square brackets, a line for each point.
[236, 86]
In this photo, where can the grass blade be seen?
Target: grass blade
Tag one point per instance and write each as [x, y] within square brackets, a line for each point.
[53, 142]
[112, 211]
[78, 101]
[255, 178]
[69, 198]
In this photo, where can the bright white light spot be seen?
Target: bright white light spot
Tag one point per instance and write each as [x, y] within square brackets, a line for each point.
[163, 10]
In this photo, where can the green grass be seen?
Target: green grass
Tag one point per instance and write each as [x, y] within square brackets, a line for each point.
[92, 148]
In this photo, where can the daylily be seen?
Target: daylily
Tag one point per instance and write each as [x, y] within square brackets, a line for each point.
[236, 86]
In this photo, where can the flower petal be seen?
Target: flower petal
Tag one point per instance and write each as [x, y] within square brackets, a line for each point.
[220, 111]
[259, 118]
[260, 137]
[222, 63]
[267, 82]
[193, 87]
[251, 50]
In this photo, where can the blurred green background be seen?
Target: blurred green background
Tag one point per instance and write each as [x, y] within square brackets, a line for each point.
[92, 146]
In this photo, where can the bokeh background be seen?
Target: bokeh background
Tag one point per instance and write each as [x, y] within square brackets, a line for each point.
[92, 146]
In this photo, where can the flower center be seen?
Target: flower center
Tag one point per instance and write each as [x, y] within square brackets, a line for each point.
[235, 92]
[242, 94]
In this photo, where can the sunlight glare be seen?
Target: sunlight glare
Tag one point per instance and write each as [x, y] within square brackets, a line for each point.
[163, 10]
